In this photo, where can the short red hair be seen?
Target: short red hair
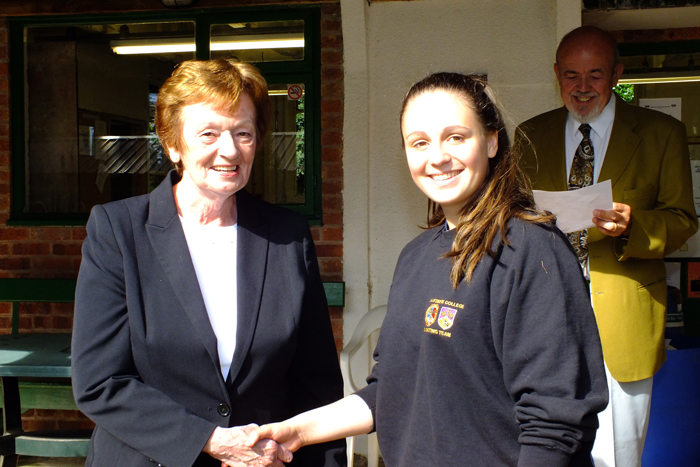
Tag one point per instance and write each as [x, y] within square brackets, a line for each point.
[219, 83]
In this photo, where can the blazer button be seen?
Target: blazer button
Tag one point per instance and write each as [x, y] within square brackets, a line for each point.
[224, 409]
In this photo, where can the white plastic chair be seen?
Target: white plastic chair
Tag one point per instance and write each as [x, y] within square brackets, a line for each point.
[369, 323]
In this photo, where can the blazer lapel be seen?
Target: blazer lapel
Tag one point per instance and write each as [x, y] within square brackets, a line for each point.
[623, 143]
[251, 268]
[556, 166]
[168, 241]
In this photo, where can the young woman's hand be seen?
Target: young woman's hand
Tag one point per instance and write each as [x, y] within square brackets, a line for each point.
[229, 445]
[283, 433]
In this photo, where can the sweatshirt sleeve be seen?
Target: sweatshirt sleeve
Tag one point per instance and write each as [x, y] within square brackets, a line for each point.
[546, 336]
[369, 392]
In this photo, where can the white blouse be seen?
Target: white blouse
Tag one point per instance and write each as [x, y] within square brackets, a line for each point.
[213, 252]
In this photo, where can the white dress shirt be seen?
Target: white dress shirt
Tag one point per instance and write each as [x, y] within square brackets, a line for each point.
[601, 128]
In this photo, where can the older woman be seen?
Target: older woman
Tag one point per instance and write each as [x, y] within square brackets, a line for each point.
[199, 309]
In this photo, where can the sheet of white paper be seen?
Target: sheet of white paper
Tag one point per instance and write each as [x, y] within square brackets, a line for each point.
[574, 209]
[673, 274]
[695, 172]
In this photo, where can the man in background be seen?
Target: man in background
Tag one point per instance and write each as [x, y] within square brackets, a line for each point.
[644, 153]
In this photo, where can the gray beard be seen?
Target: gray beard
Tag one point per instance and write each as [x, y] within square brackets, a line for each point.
[589, 117]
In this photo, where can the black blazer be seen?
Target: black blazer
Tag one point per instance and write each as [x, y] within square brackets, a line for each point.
[145, 362]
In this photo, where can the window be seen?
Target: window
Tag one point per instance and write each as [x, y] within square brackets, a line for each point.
[666, 70]
[83, 94]
[279, 172]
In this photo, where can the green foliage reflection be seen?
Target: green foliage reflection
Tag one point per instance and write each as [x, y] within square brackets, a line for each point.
[625, 91]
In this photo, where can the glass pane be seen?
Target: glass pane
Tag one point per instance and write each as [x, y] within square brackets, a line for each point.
[90, 136]
[280, 165]
[669, 76]
[263, 41]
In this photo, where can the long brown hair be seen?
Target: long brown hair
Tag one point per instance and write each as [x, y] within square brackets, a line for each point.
[505, 192]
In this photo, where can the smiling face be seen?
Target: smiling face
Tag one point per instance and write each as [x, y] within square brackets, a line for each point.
[447, 149]
[218, 149]
[587, 73]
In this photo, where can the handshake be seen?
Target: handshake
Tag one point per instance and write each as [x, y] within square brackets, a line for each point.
[275, 443]
[252, 445]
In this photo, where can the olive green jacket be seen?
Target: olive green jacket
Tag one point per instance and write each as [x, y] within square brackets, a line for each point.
[647, 162]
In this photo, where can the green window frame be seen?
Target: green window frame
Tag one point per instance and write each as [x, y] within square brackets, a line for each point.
[305, 71]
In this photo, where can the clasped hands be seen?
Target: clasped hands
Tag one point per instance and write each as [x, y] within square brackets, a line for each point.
[251, 445]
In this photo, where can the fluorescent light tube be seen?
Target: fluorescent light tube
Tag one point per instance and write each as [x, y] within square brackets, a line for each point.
[660, 80]
[155, 46]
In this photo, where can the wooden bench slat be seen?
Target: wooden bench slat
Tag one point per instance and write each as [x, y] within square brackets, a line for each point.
[63, 291]
[56, 443]
[45, 395]
[37, 290]
[335, 293]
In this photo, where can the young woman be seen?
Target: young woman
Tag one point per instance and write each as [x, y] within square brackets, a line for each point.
[489, 354]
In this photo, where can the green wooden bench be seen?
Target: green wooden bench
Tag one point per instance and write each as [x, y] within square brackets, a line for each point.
[19, 291]
[59, 395]
[52, 394]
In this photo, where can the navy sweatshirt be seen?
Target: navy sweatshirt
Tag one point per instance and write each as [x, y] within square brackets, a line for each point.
[506, 370]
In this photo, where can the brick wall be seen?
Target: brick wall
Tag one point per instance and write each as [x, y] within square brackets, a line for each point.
[54, 252]
[329, 236]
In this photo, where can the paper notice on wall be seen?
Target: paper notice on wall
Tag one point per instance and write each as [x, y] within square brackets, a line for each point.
[673, 274]
[668, 105]
[86, 139]
[674, 309]
[695, 171]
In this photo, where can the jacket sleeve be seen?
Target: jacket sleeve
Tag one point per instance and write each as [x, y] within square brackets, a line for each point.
[106, 384]
[546, 337]
[315, 369]
[663, 227]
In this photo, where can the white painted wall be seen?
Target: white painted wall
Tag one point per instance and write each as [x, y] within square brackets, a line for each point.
[389, 46]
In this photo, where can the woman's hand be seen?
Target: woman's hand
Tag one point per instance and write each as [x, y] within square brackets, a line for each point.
[229, 446]
[283, 433]
[347, 417]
